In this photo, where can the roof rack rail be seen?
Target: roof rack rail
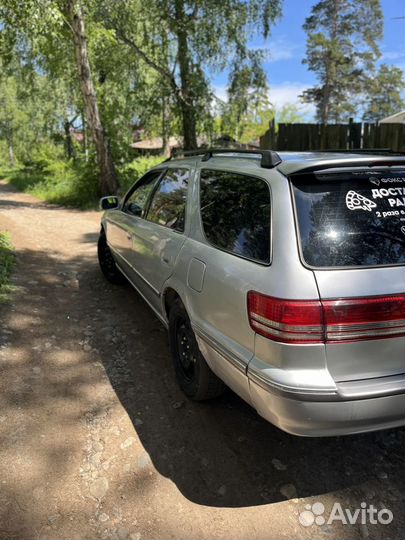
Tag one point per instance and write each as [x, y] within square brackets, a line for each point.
[269, 158]
[380, 151]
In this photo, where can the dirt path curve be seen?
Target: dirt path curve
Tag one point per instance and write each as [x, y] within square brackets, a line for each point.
[96, 441]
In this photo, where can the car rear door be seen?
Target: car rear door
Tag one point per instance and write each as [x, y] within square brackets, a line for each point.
[351, 229]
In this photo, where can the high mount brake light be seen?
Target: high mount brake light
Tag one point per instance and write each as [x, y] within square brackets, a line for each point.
[326, 321]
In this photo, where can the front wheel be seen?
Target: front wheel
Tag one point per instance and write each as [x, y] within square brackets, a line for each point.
[193, 374]
[107, 263]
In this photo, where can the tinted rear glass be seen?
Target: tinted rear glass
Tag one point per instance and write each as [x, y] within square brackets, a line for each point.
[235, 212]
[351, 220]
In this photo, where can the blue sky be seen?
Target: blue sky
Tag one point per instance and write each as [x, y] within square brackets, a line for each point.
[288, 77]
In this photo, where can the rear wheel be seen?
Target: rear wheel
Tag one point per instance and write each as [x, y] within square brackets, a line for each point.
[107, 263]
[193, 374]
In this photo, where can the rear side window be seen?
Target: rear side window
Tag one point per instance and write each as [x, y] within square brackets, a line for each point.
[168, 204]
[351, 220]
[235, 213]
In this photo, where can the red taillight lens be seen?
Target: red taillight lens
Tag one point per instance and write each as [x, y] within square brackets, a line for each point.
[312, 321]
[353, 319]
[289, 321]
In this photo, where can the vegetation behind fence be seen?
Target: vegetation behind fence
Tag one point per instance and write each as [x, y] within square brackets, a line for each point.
[334, 136]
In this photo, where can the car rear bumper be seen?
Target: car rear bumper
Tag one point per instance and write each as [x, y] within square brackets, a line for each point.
[325, 417]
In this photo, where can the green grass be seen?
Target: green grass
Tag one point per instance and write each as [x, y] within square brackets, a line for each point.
[23, 178]
[58, 182]
[7, 260]
[72, 183]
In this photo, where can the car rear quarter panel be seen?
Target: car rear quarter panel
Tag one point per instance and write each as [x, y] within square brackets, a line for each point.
[219, 310]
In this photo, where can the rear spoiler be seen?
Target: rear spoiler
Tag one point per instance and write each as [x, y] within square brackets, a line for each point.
[359, 166]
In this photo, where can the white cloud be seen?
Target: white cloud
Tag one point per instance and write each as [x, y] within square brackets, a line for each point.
[392, 55]
[283, 49]
[277, 54]
[289, 92]
[280, 95]
[220, 92]
[278, 49]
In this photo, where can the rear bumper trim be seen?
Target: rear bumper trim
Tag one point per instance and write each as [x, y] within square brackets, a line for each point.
[370, 388]
[346, 391]
[307, 394]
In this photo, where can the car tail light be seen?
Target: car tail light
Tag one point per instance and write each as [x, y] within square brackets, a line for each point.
[290, 321]
[353, 319]
[327, 321]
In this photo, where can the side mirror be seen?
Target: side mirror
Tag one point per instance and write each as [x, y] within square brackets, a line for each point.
[107, 203]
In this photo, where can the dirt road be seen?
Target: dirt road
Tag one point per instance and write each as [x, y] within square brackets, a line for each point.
[96, 440]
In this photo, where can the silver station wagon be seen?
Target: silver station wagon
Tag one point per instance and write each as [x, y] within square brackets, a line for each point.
[281, 276]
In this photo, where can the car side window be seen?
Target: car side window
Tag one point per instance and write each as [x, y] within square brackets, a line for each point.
[235, 213]
[136, 202]
[168, 206]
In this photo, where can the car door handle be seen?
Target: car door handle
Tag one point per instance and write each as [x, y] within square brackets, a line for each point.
[166, 260]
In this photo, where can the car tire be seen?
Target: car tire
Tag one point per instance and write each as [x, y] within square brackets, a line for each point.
[107, 263]
[193, 374]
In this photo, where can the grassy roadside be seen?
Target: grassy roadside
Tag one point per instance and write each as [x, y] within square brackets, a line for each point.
[7, 260]
[71, 183]
[57, 183]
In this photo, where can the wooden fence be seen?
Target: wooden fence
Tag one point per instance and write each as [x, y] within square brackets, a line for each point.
[334, 136]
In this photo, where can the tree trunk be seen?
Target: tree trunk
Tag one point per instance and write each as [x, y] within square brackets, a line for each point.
[186, 103]
[68, 139]
[330, 68]
[108, 178]
[165, 129]
[189, 126]
[85, 137]
[11, 155]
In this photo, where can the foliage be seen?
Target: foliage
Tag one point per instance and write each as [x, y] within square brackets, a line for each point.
[7, 261]
[248, 110]
[132, 171]
[149, 70]
[291, 113]
[342, 48]
[380, 104]
[70, 183]
[180, 40]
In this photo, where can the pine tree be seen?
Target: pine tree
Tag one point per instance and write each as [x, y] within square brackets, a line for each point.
[342, 48]
[384, 93]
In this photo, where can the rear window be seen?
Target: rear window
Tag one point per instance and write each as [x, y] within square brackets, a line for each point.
[353, 220]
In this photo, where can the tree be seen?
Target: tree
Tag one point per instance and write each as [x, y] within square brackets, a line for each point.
[54, 29]
[108, 178]
[30, 111]
[11, 116]
[248, 110]
[291, 113]
[384, 93]
[342, 47]
[200, 34]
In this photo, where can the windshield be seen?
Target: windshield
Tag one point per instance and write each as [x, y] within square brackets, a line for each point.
[351, 219]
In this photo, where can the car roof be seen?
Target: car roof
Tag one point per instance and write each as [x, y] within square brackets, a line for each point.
[290, 162]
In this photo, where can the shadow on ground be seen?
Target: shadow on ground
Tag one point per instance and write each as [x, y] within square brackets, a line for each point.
[217, 453]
